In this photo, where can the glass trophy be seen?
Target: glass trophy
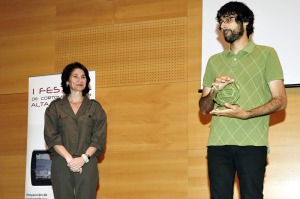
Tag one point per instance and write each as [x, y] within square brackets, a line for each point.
[230, 94]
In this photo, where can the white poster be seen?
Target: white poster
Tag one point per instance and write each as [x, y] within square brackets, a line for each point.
[42, 90]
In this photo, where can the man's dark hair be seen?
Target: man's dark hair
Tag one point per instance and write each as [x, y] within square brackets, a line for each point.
[67, 73]
[242, 13]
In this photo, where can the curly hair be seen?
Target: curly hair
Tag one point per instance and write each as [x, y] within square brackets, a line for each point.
[242, 13]
[67, 73]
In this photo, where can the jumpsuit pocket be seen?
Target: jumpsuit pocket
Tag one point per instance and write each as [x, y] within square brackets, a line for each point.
[62, 119]
[88, 120]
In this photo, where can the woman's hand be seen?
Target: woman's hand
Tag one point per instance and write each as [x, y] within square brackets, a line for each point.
[76, 164]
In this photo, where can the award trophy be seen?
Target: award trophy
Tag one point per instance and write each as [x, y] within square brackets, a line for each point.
[230, 94]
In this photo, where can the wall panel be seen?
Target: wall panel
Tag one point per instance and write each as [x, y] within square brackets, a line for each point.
[145, 174]
[23, 56]
[146, 117]
[285, 126]
[198, 124]
[197, 174]
[130, 53]
[194, 48]
[194, 39]
[18, 17]
[13, 122]
[77, 14]
[12, 171]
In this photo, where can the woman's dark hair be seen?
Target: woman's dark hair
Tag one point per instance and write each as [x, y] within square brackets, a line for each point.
[67, 73]
[242, 12]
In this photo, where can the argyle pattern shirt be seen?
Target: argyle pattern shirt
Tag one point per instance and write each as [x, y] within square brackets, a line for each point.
[252, 68]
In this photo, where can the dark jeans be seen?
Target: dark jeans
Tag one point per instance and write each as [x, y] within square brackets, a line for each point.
[249, 162]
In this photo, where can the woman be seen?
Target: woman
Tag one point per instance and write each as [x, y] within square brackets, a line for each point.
[75, 133]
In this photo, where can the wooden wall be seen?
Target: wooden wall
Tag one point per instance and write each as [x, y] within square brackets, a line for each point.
[147, 57]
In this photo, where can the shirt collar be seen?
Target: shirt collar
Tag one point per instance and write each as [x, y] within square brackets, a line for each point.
[248, 48]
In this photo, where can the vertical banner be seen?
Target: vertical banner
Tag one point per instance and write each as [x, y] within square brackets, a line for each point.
[42, 91]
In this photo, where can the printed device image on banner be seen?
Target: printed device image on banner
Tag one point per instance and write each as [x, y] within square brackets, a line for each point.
[42, 91]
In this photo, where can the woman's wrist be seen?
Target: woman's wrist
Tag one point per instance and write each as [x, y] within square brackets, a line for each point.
[85, 158]
[69, 159]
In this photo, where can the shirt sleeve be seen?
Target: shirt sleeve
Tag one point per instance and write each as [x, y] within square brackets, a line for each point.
[98, 139]
[273, 66]
[208, 77]
[51, 134]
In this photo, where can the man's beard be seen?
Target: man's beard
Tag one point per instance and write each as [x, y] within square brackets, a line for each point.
[234, 34]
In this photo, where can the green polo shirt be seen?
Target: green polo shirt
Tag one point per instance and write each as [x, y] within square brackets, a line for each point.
[252, 68]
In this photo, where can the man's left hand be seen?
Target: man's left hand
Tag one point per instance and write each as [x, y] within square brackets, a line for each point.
[231, 111]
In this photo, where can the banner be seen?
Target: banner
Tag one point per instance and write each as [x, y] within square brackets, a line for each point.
[42, 91]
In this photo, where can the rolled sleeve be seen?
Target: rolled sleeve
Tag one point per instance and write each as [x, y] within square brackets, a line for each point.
[98, 139]
[51, 134]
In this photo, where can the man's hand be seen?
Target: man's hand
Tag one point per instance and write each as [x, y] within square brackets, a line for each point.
[221, 82]
[231, 111]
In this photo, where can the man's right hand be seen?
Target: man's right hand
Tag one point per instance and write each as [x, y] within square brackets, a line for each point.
[221, 82]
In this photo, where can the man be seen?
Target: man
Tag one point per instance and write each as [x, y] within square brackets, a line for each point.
[242, 86]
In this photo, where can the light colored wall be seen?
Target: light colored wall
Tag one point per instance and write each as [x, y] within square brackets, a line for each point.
[147, 57]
